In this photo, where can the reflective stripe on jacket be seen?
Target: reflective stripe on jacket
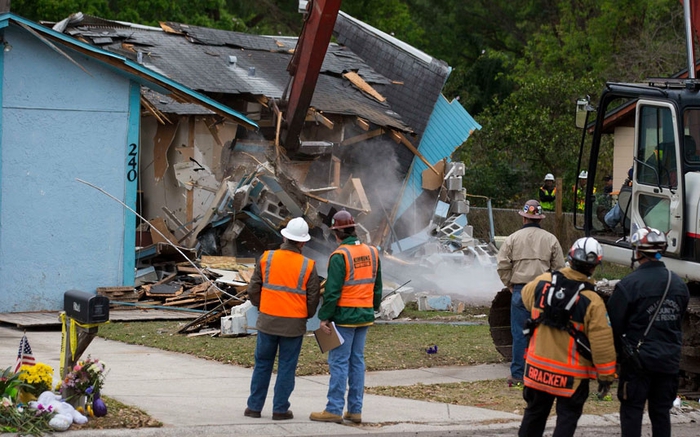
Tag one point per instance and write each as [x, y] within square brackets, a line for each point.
[552, 361]
[360, 275]
[284, 277]
[547, 198]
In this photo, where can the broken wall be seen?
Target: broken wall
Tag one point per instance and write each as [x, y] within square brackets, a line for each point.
[166, 153]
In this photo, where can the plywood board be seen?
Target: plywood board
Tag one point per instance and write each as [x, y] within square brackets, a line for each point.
[432, 181]
[159, 224]
[162, 142]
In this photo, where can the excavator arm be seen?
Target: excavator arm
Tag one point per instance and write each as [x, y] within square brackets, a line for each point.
[305, 67]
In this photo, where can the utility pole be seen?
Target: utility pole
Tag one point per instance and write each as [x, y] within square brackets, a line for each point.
[4, 6]
[558, 213]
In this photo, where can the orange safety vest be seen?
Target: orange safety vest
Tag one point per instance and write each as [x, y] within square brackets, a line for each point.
[360, 275]
[284, 278]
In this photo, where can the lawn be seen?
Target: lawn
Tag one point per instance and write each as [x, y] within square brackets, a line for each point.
[389, 346]
[462, 339]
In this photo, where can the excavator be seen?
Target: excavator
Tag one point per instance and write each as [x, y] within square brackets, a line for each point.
[656, 133]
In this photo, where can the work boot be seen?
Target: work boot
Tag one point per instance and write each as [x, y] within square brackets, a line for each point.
[251, 413]
[283, 416]
[353, 417]
[325, 416]
[514, 382]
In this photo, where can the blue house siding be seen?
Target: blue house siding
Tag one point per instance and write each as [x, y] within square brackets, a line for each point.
[450, 125]
[132, 154]
[58, 124]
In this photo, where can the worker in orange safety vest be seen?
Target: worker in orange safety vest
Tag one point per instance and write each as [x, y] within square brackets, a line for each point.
[286, 289]
[353, 292]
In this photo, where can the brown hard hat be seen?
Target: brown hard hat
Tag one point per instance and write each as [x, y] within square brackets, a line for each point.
[342, 219]
[532, 210]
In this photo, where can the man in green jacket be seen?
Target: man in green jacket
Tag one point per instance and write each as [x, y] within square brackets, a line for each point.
[353, 292]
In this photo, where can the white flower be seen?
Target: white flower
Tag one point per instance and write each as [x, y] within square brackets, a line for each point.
[6, 402]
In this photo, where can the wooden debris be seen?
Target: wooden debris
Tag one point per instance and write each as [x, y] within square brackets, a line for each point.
[120, 294]
[363, 86]
[210, 332]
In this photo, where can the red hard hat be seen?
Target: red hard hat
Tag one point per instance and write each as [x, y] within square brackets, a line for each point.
[342, 219]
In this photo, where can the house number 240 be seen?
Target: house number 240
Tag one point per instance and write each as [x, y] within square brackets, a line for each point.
[132, 165]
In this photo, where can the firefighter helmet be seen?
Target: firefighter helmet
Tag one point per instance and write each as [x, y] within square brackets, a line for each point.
[648, 239]
[585, 253]
[532, 210]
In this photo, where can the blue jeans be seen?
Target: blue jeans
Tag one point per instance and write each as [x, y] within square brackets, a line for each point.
[518, 317]
[265, 352]
[613, 217]
[347, 367]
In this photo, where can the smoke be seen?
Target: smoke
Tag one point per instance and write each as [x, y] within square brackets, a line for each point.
[377, 165]
[461, 277]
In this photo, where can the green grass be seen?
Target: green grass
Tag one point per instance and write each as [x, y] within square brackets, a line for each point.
[471, 313]
[611, 271]
[388, 347]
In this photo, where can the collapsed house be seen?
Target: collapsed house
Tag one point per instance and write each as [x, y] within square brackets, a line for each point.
[213, 186]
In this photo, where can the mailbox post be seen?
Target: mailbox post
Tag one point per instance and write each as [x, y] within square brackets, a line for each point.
[82, 314]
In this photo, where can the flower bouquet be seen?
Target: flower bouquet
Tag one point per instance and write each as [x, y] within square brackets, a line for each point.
[86, 380]
[15, 417]
[37, 379]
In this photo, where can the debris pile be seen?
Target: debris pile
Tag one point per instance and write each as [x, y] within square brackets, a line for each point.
[446, 247]
[245, 215]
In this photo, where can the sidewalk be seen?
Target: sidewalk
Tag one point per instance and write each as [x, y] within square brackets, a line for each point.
[197, 397]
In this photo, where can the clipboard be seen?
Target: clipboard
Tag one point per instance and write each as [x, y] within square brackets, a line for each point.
[330, 341]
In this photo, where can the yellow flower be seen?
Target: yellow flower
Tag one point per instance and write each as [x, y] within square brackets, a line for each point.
[39, 376]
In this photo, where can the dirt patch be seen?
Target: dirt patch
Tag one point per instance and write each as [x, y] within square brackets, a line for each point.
[119, 416]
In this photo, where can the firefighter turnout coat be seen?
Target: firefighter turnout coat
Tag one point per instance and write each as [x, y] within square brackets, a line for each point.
[552, 362]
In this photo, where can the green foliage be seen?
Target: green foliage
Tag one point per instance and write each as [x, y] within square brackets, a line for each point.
[219, 14]
[10, 384]
[391, 16]
[530, 134]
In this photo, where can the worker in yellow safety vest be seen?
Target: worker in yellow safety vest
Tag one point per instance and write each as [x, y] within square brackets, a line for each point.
[581, 190]
[548, 193]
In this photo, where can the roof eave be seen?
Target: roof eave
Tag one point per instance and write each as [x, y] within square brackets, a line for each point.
[150, 77]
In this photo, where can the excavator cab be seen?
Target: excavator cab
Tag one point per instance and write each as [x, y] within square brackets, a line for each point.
[653, 129]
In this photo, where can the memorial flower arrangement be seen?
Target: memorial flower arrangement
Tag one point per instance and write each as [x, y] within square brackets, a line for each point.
[37, 378]
[86, 379]
[16, 417]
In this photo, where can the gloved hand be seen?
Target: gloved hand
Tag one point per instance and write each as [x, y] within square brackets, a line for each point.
[603, 389]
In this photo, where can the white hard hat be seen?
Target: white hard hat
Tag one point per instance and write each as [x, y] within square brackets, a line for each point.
[549, 177]
[583, 175]
[296, 230]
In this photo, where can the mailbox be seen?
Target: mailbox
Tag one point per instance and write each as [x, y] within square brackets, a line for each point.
[86, 307]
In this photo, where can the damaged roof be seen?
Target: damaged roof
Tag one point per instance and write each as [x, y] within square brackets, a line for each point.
[136, 72]
[422, 76]
[215, 61]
